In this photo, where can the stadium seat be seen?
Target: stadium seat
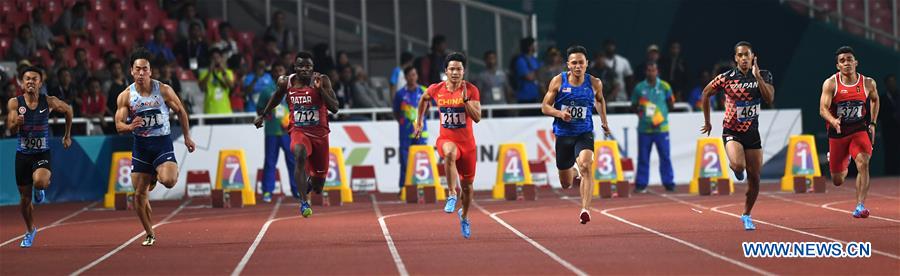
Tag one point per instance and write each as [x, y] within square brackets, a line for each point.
[123, 5]
[100, 6]
[171, 26]
[186, 75]
[97, 64]
[5, 44]
[212, 29]
[28, 5]
[853, 9]
[827, 5]
[7, 7]
[245, 39]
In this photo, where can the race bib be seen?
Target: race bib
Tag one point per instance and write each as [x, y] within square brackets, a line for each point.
[496, 93]
[32, 143]
[280, 111]
[850, 111]
[306, 116]
[649, 109]
[219, 93]
[453, 117]
[577, 112]
[747, 110]
[150, 119]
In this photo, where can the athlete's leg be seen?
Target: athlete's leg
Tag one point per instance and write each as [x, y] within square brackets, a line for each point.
[862, 178]
[451, 154]
[318, 163]
[41, 177]
[565, 160]
[663, 148]
[735, 152]
[270, 149]
[584, 162]
[645, 145]
[25, 206]
[403, 155]
[167, 174]
[465, 166]
[300, 173]
[754, 165]
[566, 177]
[141, 183]
[284, 142]
[838, 159]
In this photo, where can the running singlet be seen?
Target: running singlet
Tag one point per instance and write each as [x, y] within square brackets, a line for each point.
[455, 123]
[579, 102]
[152, 110]
[849, 104]
[308, 111]
[742, 98]
[34, 132]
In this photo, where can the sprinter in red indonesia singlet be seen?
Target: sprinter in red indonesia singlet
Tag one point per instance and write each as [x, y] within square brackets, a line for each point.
[459, 103]
[310, 97]
[849, 105]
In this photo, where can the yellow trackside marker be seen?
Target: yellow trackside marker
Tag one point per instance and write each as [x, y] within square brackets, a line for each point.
[512, 168]
[336, 178]
[421, 170]
[119, 178]
[232, 174]
[607, 164]
[710, 162]
[802, 160]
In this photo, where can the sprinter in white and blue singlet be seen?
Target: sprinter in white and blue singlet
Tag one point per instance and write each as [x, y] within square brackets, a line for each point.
[571, 99]
[143, 110]
[29, 115]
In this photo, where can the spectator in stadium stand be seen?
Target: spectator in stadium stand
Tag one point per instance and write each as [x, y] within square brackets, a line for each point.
[694, 96]
[493, 82]
[525, 66]
[217, 81]
[158, 47]
[9, 92]
[43, 37]
[193, 52]
[364, 96]
[116, 83]
[81, 72]
[168, 76]
[431, 66]
[93, 103]
[652, 57]
[342, 60]
[257, 83]
[405, 107]
[72, 23]
[269, 52]
[323, 61]
[286, 57]
[398, 79]
[59, 61]
[226, 41]
[285, 38]
[624, 74]
[673, 67]
[24, 46]
[343, 88]
[189, 17]
[65, 90]
[890, 123]
[553, 65]
[607, 76]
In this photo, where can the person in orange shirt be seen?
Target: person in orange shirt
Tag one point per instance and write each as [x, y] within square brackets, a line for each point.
[459, 103]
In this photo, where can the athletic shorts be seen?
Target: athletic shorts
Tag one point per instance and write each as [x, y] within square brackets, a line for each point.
[466, 157]
[316, 152]
[26, 164]
[569, 147]
[749, 139]
[150, 152]
[844, 148]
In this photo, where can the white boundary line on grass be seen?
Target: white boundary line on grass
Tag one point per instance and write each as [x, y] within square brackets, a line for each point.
[125, 244]
[262, 232]
[537, 245]
[53, 224]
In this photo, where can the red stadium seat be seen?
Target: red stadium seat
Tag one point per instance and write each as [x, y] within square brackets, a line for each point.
[100, 6]
[212, 29]
[171, 26]
[125, 40]
[69, 3]
[28, 5]
[827, 5]
[123, 5]
[78, 42]
[16, 18]
[102, 39]
[7, 7]
[186, 75]
[5, 43]
[97, 64]
[245, 39]
[854, 9]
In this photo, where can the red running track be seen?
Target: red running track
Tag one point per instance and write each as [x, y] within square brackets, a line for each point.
[655, 233]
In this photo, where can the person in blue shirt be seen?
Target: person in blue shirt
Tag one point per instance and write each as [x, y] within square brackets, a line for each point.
[525, 67]
[398, 78]
[406, 105]
[257, 83]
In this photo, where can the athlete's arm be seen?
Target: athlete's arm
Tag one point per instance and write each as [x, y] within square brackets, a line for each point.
[175, 105]
[122, 115]
[874, 104]
[424, 104]
[825, 104]
[550, 97]
[62, 107]
[708, 92]
[277, 97]
[600, 103]
[13, 119]
[765, 88]
[473, 107]
[331, 102]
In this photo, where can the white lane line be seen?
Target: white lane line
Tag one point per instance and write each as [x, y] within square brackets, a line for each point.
[259, 236]
[125, 244]
[537, 245]
[53, 224]
[401, 268]
[827, 206]
[686, 243]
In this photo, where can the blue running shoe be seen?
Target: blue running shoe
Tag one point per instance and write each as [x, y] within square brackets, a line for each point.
[28, 239]
[861, 211]
[748, 223]
[267, 197]
[464, 224]
[739, 175]
[39, 196]
[305, 210]
[451, 204]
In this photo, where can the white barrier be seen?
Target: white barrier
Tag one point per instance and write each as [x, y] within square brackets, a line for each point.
[375, 143]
